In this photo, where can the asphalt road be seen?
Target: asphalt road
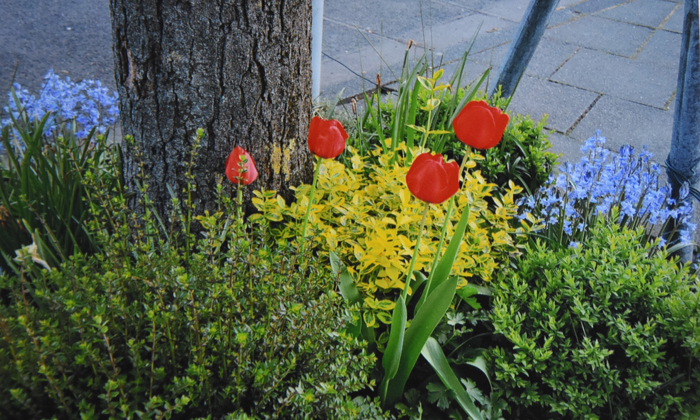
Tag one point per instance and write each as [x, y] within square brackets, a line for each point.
[72, 37]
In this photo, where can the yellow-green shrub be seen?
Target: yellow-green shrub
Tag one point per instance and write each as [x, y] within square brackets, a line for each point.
[366, 214]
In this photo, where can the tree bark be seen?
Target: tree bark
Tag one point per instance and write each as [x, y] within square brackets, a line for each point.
[240, 70]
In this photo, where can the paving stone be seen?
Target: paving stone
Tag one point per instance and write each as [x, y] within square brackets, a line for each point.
[485, 40]
[622, 122]
[512, 10]
[601, 34]
[471, 74]
[563, 104]
[569, 3]
[675, 22]
[664, 48]
[641, 12]
[339, 39]
[389, 16]
[567, 147]
[460, 31]
[643, 82]
[492, 57]
[348, 66]
[548, 57]
[594, 6]
[562, 15]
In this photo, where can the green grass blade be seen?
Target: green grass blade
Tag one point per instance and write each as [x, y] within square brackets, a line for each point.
[468, 96]
[434, 355]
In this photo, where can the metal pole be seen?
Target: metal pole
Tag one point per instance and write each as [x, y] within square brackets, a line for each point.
[523, 47]
[682, 162]
[316, 46]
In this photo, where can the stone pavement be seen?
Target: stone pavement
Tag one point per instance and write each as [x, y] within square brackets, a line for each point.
[601, 64]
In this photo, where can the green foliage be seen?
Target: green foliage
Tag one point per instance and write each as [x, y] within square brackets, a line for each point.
[521, 157]
[600, 331]
[235, 328]
[368, 217]
[43, 188]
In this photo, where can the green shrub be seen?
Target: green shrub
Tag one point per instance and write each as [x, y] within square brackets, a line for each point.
[236, 328]
[603, 331]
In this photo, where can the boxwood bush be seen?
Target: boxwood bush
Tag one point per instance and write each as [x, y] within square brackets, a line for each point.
[602, 331]
[234, 327]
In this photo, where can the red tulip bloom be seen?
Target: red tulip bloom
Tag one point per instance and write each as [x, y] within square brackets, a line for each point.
[240, 167]
[326, 138]
[479, 125]
[432, 179]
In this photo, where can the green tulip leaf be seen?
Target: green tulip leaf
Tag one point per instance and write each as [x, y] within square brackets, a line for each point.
[347, 284]
[392, 354]
[433, 354]
[442, 270]
[422, 326]
[480, 363]
[418, 279]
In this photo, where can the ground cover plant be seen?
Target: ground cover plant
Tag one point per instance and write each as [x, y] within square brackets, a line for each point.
[604, 330]
[162, 325]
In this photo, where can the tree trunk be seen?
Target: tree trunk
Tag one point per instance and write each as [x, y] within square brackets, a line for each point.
[238, 69]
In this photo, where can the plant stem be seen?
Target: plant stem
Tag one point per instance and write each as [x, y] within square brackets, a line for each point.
[448, 215]
[239, 210]
[415, 252]
[311, 202]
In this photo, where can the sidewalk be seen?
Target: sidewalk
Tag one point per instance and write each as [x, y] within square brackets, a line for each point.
[602, 64]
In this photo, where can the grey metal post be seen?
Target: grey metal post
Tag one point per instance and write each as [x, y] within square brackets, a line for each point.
[682, 162]
[523, 46]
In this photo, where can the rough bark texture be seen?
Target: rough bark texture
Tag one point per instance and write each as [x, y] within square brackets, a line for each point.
[240, 70]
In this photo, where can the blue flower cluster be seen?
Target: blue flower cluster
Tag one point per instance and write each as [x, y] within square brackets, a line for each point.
[601, 181]
[88, 103]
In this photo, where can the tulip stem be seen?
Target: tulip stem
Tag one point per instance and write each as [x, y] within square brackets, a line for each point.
[239, 210]
[415, 252]
[311, 202]
[448, 215]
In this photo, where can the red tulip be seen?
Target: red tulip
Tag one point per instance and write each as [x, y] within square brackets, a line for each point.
[479, 125]
[240, 167]
[432, 179]
[326, 138]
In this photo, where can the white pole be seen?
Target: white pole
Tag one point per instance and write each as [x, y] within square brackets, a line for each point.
[316, 46]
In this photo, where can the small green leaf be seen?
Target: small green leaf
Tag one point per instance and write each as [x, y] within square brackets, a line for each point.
[335, 263]
[417, 128]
